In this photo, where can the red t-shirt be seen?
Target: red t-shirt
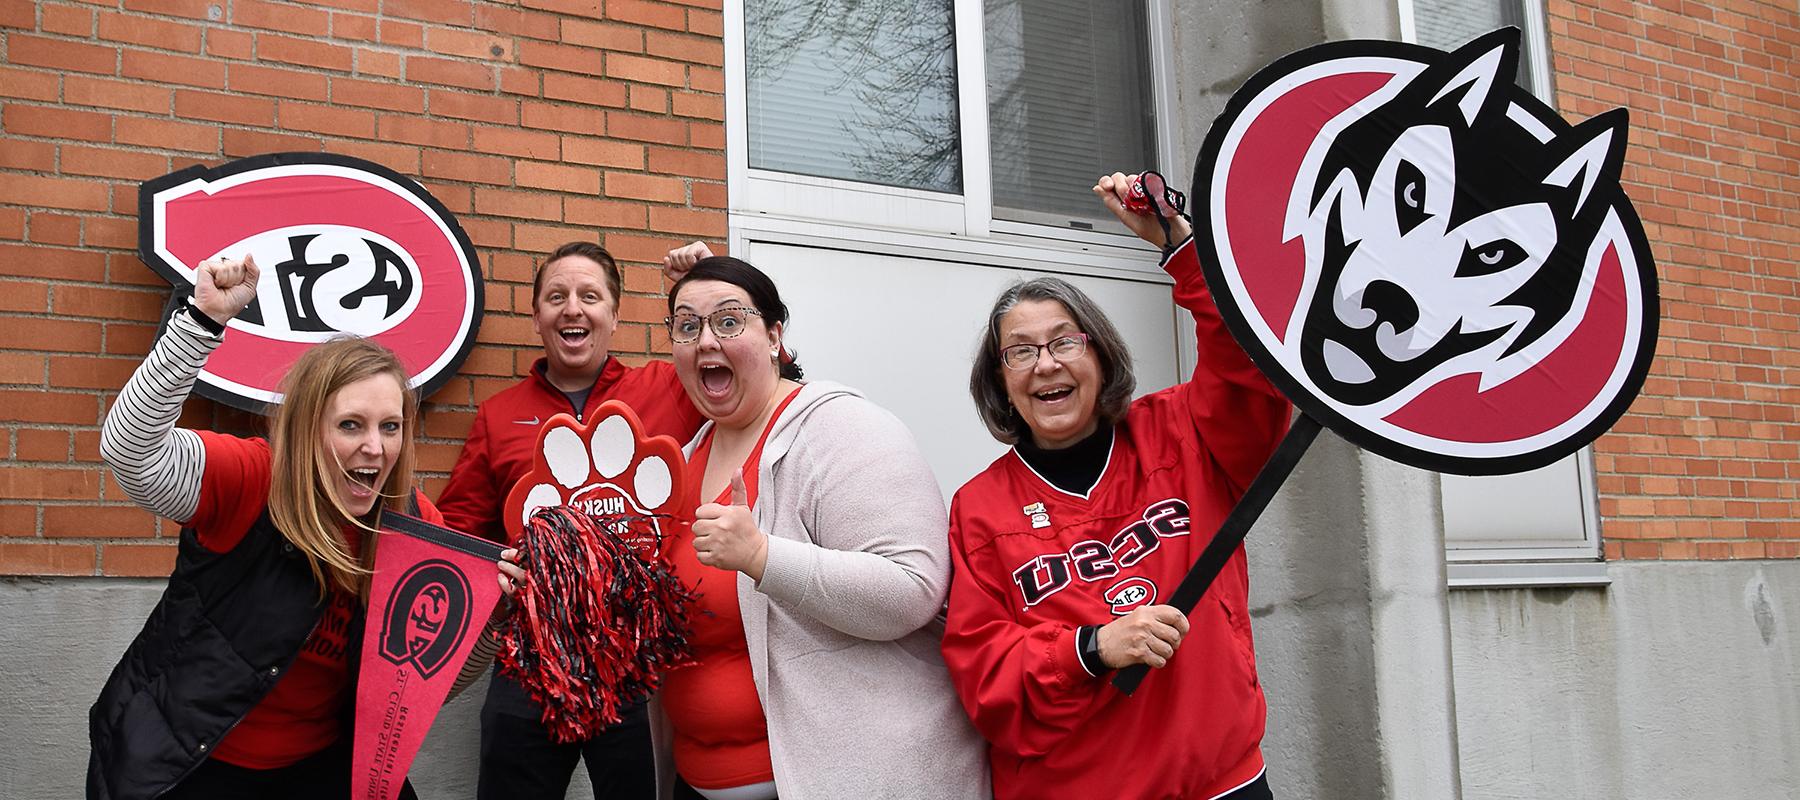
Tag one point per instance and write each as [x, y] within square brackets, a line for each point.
[721, 734]
[302, 714]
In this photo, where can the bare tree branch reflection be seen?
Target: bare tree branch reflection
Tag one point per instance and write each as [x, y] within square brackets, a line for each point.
[897, 59]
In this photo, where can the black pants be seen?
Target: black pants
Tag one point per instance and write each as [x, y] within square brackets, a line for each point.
[519, 761]
[318, 777]
[1255, 790]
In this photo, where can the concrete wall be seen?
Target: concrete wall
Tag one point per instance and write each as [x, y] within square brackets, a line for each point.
[1309, 608]
[1677, 681]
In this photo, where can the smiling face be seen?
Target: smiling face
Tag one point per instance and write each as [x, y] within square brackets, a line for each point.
[360, 437]
[732, 381]
[1056, 399]
[575, 314]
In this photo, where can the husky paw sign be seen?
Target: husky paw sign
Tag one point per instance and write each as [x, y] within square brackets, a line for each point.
[1425, 257]
[609, 470]
[345, 246]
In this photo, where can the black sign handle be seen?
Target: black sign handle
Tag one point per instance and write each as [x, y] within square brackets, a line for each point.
[1231, 532]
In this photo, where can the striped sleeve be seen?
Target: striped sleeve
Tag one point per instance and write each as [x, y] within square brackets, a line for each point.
[487, 645]
[160, 465]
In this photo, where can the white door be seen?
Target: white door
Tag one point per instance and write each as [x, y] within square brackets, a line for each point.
[903, 330]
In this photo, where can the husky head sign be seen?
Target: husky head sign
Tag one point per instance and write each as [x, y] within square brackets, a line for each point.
[1425, 257]
[345, 246]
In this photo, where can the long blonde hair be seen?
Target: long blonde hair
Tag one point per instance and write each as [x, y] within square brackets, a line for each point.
[302, 503]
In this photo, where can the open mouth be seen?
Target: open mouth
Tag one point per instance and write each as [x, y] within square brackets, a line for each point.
[716, 380]
[1054, 394]
[363, 479]
[573, 335]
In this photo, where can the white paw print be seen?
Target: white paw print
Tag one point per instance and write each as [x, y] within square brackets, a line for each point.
[610, 470]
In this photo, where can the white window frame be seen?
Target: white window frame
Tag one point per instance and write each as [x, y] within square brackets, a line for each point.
[1534, 562]
[800, 209]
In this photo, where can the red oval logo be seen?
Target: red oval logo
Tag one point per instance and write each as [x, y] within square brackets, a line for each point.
[345, 245]
[1129, 594]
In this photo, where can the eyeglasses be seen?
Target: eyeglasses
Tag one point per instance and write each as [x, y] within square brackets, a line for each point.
[1062, 348]
[726, 323]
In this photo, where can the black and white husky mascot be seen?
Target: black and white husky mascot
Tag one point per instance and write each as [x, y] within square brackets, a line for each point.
[1448, 231]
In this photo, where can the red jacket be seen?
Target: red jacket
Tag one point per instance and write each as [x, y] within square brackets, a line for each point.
[1025, 577]
[499, 449]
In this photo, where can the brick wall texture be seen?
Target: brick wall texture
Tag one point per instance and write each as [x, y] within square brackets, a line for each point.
[547, 120]
[535, 122]
[1707, 464]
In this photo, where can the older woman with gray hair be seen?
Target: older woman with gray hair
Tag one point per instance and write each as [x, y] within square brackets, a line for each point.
[1062, 547]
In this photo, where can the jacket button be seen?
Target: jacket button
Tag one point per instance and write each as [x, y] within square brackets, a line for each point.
[287, 547]
[202, 747]
[273, 671]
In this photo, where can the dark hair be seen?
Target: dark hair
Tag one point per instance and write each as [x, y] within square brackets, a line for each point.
[593, 252]
[988, 386]
[761, 290]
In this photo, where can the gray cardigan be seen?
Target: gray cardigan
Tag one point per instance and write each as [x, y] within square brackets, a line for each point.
[843, 630]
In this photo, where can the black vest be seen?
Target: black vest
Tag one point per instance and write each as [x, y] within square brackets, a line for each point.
[228, 625]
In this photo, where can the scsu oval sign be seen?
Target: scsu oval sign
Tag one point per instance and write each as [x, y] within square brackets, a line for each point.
[346, 246]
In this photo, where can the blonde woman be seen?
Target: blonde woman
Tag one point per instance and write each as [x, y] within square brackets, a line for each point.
[241, 681]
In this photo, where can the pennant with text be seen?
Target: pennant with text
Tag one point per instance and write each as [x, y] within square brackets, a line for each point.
[432, 592]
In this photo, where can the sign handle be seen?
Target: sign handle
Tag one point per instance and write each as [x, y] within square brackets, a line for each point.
[1231, 532]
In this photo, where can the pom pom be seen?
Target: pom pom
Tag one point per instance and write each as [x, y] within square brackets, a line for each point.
[597, 624]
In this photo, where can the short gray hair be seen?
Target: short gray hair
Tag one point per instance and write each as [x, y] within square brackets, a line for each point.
[988, 386]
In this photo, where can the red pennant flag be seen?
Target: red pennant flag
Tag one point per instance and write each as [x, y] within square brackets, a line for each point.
[433, 591]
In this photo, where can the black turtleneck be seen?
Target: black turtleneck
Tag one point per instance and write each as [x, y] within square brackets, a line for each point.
[1076, 468]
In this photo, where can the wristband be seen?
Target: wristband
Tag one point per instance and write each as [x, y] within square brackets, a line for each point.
[1087, 638]
[211, 325]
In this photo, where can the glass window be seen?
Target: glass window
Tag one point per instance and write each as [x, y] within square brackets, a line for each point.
[1531, 528]
[1448, 24]
[1069, 95]
[862, 91]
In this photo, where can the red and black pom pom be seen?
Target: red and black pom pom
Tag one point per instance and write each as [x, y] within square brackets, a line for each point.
[597, 624]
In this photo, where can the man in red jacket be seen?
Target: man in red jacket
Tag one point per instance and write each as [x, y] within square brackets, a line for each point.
[575, 305]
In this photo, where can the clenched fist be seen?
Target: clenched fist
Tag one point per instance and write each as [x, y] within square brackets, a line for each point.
[224, 286]
[681, 259]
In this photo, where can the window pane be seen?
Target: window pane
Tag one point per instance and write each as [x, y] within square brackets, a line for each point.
[1449, 24]
[864, 91]
[1540, 508]
[1068, 99]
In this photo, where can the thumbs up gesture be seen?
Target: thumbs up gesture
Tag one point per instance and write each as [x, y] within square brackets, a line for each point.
[726, 536]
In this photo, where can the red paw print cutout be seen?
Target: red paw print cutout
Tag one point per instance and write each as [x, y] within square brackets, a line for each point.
[609, 470]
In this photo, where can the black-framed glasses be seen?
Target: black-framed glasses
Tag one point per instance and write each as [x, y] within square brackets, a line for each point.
[1062, 348]
[726, 323]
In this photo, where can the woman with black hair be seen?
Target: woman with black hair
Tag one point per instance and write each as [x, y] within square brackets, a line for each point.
[821, 565]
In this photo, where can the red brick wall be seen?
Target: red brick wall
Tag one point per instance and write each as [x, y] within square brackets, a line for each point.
[535, 122]
[1707, 464]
